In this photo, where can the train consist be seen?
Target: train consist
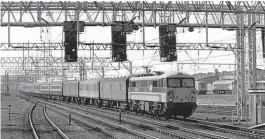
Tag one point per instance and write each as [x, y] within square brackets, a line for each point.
[229, 86]
[166, 94]
[222, 87]
[201, 87]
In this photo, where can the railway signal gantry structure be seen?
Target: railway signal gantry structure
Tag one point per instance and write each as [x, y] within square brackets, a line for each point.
[243, 17]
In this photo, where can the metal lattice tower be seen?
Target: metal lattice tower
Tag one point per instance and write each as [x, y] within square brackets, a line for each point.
[252, 55]
[240, 73]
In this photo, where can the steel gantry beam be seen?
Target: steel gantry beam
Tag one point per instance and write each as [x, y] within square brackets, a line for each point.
[27, 62]
[220, 14]
[107, 46]
[35, 65]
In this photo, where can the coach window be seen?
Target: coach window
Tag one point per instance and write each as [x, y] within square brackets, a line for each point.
[133, 84]
[161, 83]
[137, 84]
[154, 83]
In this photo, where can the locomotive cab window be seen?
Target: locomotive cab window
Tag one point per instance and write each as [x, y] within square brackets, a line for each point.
[188, 82]
[180, 82]
[173, 83]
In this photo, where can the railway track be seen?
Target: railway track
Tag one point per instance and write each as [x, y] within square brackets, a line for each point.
[35, 136]
[206, 125]
[78, 116]
[158, 126]
[239, 131]
[251, 133]
[43, 127]
[217, 110]
[138, 123]
[99, 126]
[162, 127]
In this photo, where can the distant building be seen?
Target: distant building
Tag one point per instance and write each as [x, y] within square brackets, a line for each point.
[210, 77]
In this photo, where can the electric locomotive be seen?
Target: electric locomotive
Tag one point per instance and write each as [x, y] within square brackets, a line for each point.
[169, 94]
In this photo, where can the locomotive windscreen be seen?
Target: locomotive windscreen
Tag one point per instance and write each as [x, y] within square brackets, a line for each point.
[180, 82]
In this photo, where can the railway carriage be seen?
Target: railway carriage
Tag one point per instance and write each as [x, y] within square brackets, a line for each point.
[89, 91]
[45, 90]
[223, 87]
[113, 91]
[36, 89]
[56, 91]
[167, 94]
[70, 90]
[228, 87]
[31, 87]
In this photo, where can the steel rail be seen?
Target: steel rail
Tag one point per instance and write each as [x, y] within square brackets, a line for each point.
[205, 134]
[90, 125]
[93, 126]
[58, 130]
[221, 127]
[201, 133]
[137, 133]
[31, 123]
